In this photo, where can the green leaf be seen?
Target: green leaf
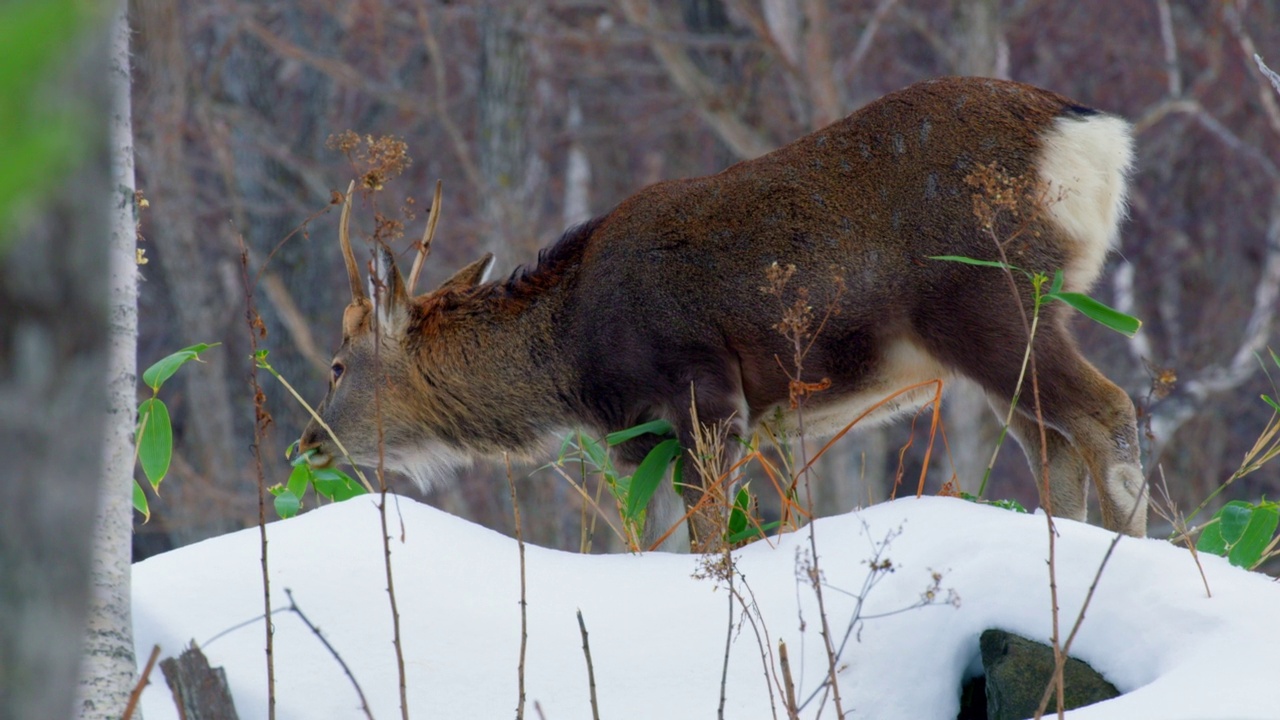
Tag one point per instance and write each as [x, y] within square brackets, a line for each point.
[739, 516]
[155, 440]
[287, 504]
[973, 261]
[1211, 541]
[1233, 518]
[1058, 280]
[1240, 531]
[655, 427]
[335, 484]
[299, 479]
[595, 453]
[140, 501]
[1248, 549]
[1274, 405]
[648, 476]
[1252, 541]
[1100, 312]
[43, 133]
[751, 532]
[164, 369]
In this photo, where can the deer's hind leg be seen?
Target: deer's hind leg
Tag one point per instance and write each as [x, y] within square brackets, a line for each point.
[1089, 420]
[1098, 419]
[1068, 475]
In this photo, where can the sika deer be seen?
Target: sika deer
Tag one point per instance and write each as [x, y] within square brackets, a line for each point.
[627, 314]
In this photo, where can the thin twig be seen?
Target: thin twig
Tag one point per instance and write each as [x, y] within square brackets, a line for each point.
[1165, 508]
[591, 671]
[293, 607]
[260, 420]
[788, 686]
[143, 679]
[751, 613]
[382, 504]
[524, 605]
[728, 634]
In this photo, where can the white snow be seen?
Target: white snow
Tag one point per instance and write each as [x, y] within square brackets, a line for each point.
[657, 635]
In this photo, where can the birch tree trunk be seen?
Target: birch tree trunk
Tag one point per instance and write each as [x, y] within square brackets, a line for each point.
[109, 669]
[53, 342]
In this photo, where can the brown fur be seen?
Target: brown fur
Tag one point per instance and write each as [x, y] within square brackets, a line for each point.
[625, 314]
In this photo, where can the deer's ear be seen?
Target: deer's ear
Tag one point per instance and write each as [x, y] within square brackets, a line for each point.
[390, 297]
[471, 275]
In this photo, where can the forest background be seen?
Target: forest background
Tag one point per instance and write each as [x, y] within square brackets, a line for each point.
[538, 115]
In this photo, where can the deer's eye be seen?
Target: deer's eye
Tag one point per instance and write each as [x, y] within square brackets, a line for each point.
[337, 371]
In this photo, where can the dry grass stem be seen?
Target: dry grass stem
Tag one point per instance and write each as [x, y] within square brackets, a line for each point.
[524, 605]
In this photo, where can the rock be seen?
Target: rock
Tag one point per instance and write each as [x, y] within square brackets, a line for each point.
[1017, 672]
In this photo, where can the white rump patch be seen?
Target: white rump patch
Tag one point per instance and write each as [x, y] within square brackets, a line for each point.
[1086, 165]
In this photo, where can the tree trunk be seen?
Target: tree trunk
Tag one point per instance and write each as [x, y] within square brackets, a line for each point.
[109, 669]
[504, 116]
[53, 348]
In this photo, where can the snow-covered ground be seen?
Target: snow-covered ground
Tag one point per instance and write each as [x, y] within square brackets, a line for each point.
[657, 634]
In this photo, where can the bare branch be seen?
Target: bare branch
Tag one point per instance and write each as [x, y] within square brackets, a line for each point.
[868, 35]
[1233, 13]
[1173, 72]
[1267, 72]
[1178, 409]
[591, 670]
[824, 93]
[436, 59]
[745, 141]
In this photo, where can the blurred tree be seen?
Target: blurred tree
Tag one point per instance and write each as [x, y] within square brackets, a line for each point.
[53, 344]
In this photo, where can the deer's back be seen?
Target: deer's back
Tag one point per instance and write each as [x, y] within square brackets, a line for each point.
[676, 277]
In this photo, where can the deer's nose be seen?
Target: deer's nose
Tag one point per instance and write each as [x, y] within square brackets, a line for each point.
[312, 440]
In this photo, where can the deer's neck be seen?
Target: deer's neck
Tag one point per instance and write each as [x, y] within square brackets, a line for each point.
[495, 376]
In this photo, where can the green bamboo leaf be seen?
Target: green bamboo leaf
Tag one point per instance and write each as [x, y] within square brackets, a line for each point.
[299, 479]
[973, 261]
[140, 501]
[164, 368]
[1234, 519]
[335, 484]
[1099, 312]
[155, 440]
[655, 427]
[595, 452]
[1248, 550]
[287, 504]
[648, 476]
[1240, 531]
[739, 516]
[751, 532]
[1058, 280]
[1211, 541]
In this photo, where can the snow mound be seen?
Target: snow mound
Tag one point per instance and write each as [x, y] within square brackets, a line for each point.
[657, 634]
